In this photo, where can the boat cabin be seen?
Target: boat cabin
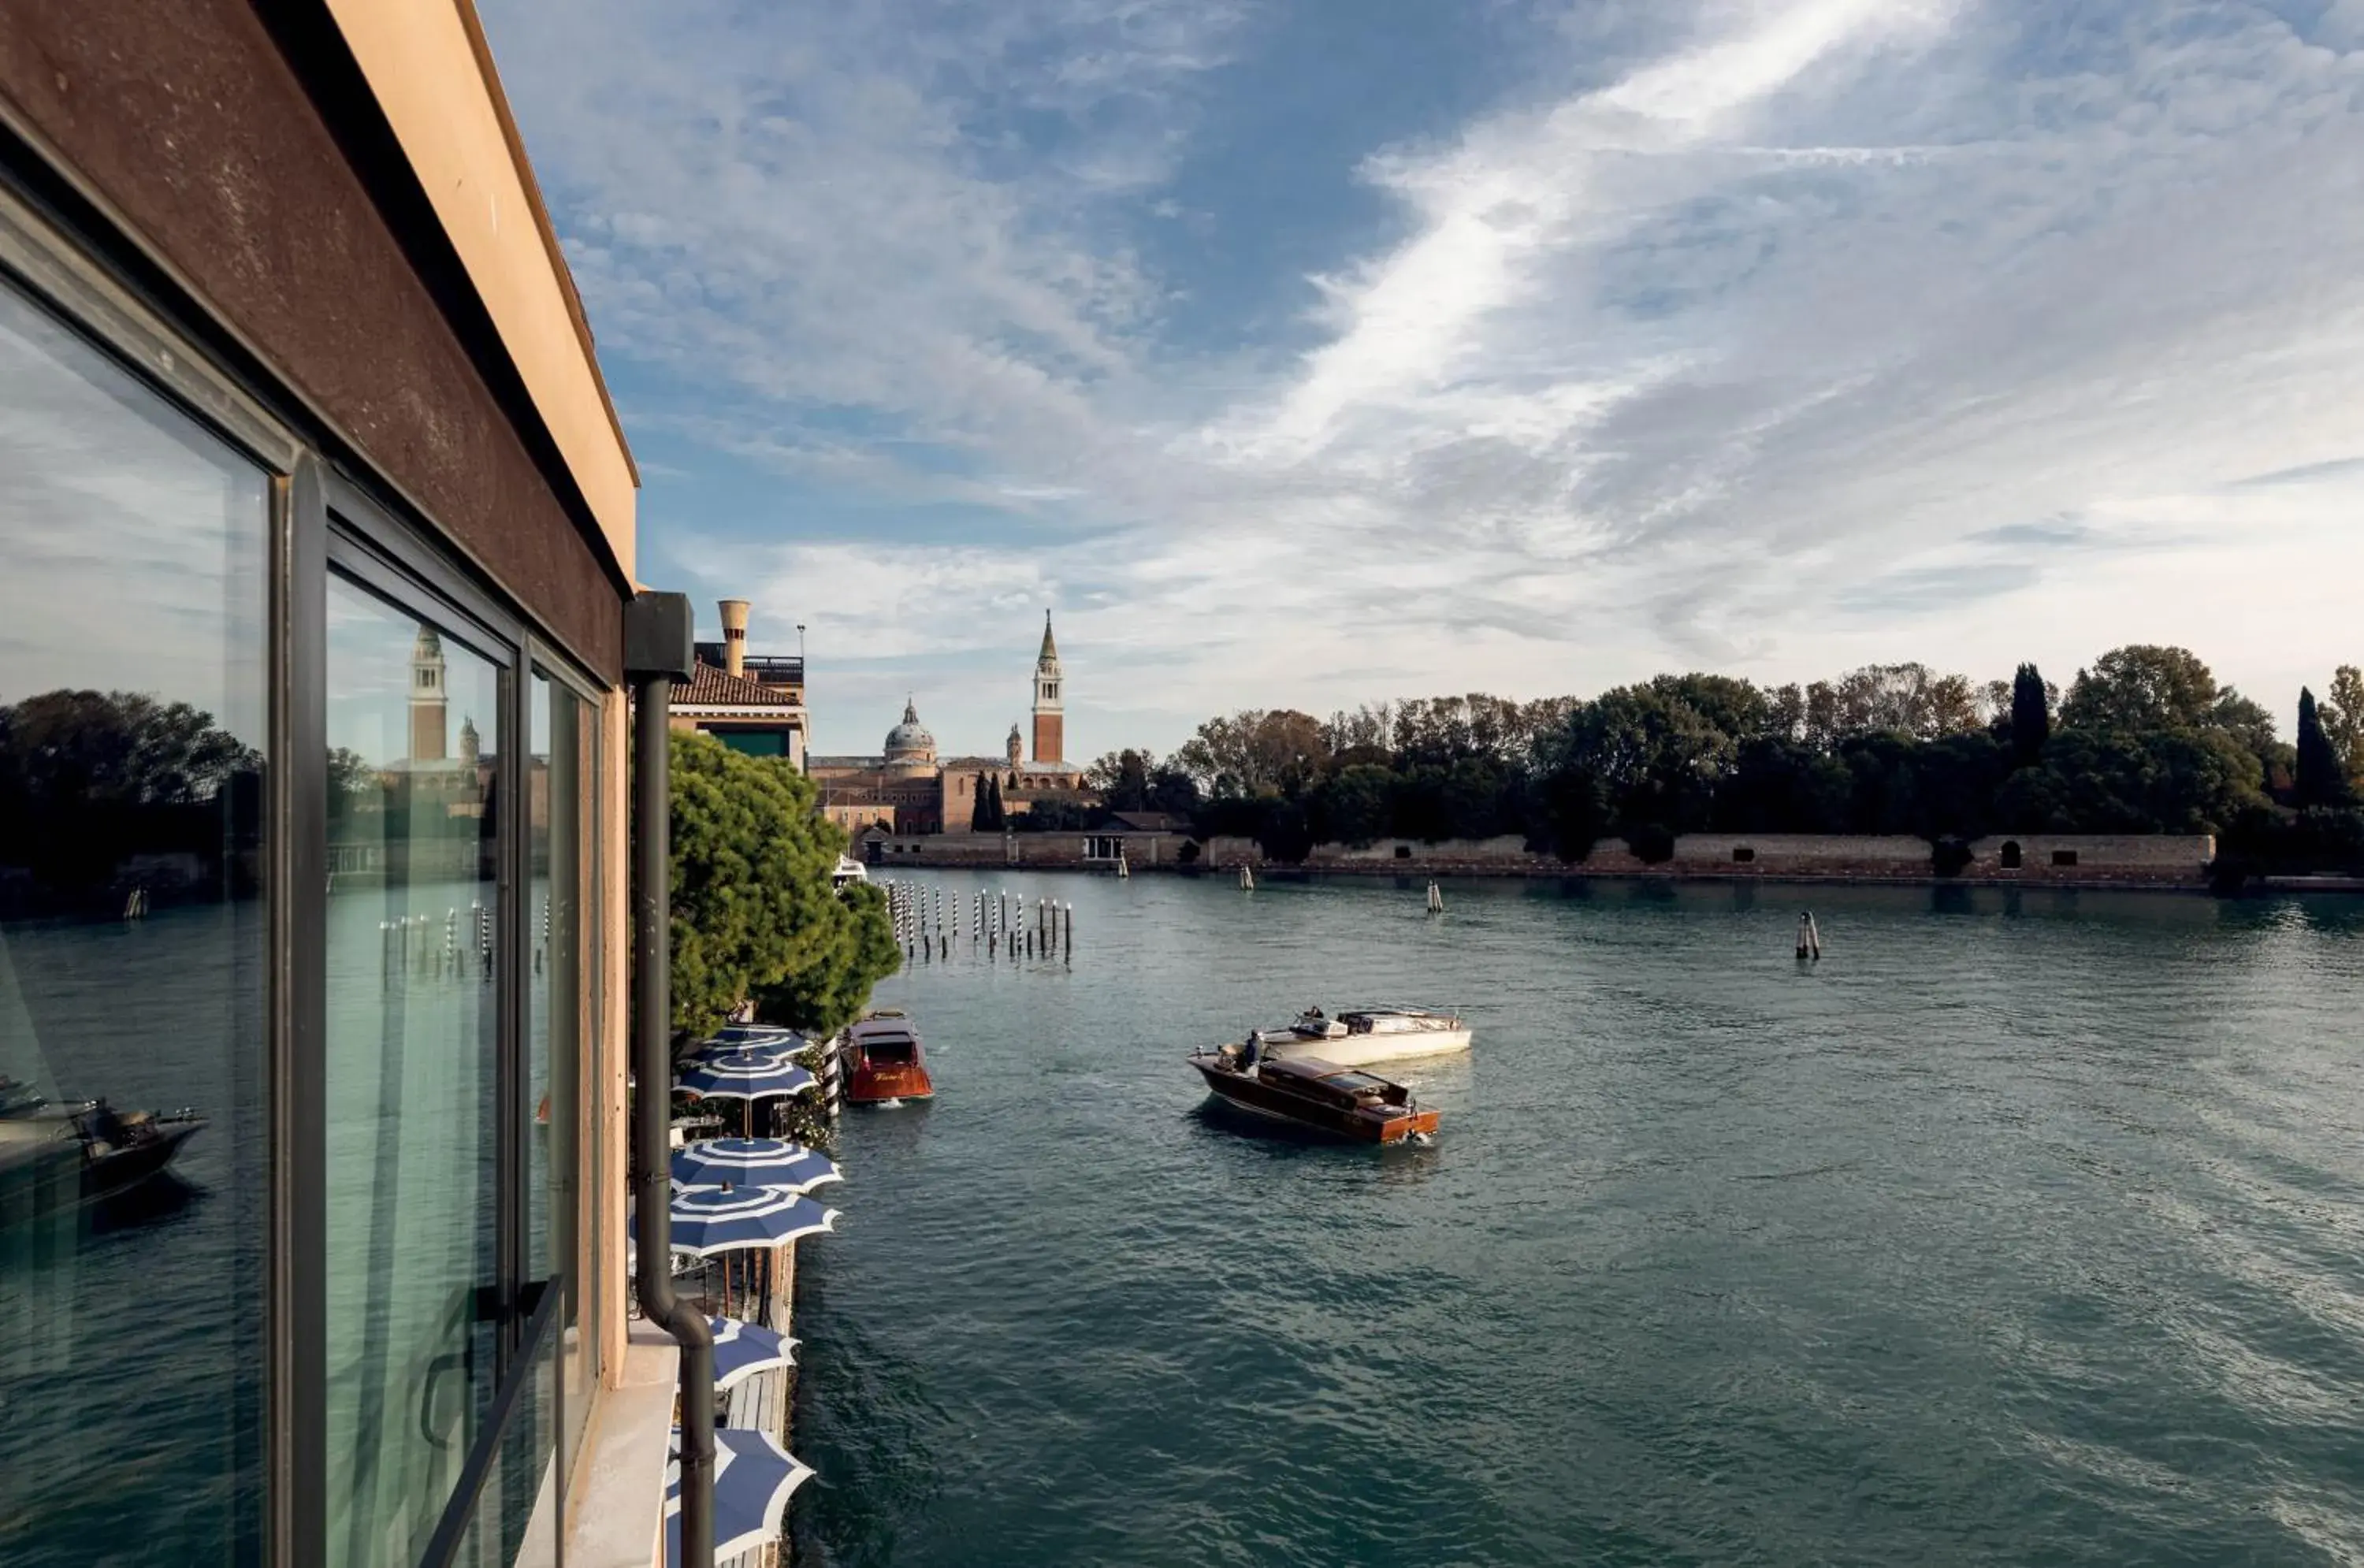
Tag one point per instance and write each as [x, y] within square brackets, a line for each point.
[1342, 1086]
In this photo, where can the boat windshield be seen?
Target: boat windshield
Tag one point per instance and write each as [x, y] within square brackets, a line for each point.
[889, 1050]
[1357, 1084]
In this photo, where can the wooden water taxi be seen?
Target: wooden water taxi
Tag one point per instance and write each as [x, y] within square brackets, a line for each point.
[1315, 1094]
[885, 1060]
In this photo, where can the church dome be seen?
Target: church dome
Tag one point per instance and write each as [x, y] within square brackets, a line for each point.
[910, 743]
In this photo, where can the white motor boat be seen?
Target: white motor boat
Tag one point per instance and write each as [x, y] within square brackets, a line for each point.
[1365, 1035]
[848, 869]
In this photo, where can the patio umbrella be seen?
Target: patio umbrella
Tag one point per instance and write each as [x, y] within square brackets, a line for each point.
[731, 1219]
[748, 1075]
[774, 1037]
[752, 1478]
[752, 1163]
[743, 1349]
[745, 1075]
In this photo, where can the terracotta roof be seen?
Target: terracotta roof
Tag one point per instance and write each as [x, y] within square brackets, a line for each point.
[710, 686]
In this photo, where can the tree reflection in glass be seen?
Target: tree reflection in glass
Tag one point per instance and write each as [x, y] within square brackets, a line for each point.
[132, 967]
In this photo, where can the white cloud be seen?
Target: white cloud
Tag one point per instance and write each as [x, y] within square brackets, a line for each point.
[1741, 353]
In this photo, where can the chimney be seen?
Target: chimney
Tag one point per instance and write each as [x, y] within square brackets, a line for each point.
[734, 636]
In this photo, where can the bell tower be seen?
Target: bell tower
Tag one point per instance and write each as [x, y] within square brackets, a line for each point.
[1050, 716]
[429, 704]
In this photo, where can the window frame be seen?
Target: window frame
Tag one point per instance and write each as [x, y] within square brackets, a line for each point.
[68, 258]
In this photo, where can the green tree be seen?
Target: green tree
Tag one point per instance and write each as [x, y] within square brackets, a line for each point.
[830, 992]
[997, 814]
[2342, 714]
[984, 818]
[754, 916]
[1353, 806]
[2318, 779]
[2141, 689]
[2030, 716]
[1122, 779]
[1571, 813]
[2249, 723]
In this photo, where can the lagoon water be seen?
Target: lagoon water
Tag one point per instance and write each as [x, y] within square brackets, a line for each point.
[2024, 1227]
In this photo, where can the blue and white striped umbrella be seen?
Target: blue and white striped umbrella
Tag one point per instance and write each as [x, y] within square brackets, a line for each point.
[731, 1219]
[743, 1349]
[752, 1479]
[752, 1036]
[752, 1163]
[745, 1075]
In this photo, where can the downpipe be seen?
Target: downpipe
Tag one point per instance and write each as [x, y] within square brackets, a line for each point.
[657, 652]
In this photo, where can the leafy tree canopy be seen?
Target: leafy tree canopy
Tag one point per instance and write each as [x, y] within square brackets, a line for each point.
[754, 916]
[2141, 688]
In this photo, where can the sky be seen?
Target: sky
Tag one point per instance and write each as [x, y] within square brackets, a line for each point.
[1311, 352]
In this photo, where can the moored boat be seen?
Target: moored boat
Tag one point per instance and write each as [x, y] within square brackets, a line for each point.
[1364, 1036]
[886, 1061]
[1315, 1094]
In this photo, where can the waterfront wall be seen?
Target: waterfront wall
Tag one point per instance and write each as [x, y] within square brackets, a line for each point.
[1076, 851]
[2155, 860]
[2164, 860]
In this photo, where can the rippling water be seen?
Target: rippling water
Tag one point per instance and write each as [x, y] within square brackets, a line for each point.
[2023, 1227]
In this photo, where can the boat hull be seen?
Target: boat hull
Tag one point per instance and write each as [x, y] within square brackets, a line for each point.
[46, 1167]
[1251, 1093]
[876, 1083]
[1369, 1050]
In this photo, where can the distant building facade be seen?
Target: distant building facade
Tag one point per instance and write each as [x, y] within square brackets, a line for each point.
[909, 788]
[753, 704]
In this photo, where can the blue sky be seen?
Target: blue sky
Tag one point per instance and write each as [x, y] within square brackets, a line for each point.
[1308, 353]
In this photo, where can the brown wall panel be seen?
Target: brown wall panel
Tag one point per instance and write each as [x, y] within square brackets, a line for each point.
[188, 118]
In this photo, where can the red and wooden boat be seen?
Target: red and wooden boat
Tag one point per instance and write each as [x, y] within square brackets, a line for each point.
[1316, 1093]
[884, 1060]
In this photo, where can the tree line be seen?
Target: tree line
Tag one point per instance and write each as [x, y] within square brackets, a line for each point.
[2143, 740]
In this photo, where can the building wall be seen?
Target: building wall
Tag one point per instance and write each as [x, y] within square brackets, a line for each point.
[854, 818]
[424, 60]
[2164, 859]
[188, 126]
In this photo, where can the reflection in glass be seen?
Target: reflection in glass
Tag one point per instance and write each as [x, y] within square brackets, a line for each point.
[132, 969]
[414, 731]
[516, 1524]
[560, 810]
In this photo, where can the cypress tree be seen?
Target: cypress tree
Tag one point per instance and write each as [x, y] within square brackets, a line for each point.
[2316, 779]
[1000, 820]
[2031, 718]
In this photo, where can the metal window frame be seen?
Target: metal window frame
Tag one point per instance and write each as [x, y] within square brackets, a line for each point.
[322, 518]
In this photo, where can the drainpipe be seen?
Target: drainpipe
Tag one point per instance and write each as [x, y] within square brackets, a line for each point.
[658, 651]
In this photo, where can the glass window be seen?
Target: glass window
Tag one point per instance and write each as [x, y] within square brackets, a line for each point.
[561, 807]
[518, 1516]
[414, 732]
[753, 742]
[134, 1209]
